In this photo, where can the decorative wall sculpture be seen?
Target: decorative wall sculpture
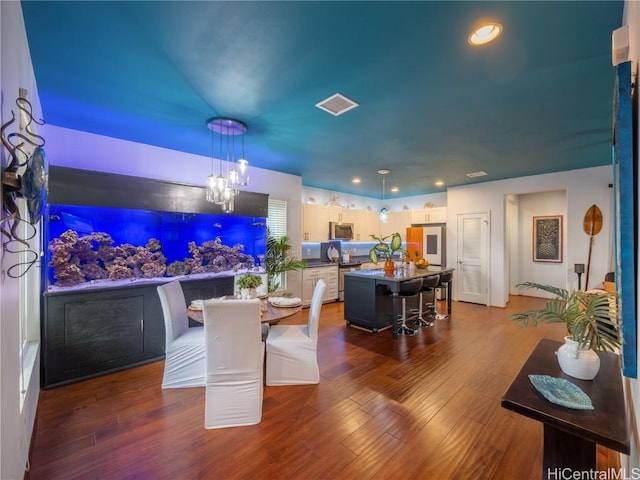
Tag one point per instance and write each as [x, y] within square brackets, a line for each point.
[24, 175]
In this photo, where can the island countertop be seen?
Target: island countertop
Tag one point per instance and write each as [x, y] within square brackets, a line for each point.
[399, 275]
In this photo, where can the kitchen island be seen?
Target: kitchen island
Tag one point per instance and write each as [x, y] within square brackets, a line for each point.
[368, 296]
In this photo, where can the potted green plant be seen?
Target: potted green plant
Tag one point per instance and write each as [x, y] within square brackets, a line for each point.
[387, 250]
[278, 260]
[591, 321]
[248, 283]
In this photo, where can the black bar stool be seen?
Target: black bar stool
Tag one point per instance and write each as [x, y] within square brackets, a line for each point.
[408, 289]
[445, 283]
[429, 285]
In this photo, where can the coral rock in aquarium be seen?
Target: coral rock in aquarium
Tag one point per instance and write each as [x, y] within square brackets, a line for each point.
[95, 244]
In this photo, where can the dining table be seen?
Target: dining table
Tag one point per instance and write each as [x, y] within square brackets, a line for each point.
[270, 313]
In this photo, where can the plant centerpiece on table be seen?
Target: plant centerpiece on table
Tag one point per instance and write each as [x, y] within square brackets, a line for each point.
[387, 250]
[591, 322]
[278, 260]
[248, 284]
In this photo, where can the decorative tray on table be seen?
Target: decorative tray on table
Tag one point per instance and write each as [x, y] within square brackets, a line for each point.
[561, 392]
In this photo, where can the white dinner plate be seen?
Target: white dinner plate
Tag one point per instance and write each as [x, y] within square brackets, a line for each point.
[196, 305]
[285, 301]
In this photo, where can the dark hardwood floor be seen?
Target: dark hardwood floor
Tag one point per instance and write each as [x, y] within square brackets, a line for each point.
[423, 407]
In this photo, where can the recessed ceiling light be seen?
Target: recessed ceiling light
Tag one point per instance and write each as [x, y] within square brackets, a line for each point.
[477, 174]
[439, 183]
[356, 180]
[394, 189]
[485, 34]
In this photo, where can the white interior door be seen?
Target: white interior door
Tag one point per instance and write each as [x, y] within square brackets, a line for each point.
[473, 258]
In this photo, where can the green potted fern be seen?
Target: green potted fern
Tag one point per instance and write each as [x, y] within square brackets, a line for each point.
[248, 283]
[592, 324]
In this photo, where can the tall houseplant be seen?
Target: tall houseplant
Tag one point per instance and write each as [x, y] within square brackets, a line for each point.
[591, 323]
[278, 260]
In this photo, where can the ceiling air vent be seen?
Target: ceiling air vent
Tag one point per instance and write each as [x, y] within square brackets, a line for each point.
[476, 174]
[336, 104]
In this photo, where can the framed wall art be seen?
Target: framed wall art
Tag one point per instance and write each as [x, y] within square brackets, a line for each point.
[547, 238]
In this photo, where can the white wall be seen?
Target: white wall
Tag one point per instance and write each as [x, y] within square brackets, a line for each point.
[584, 187]
[16, 421]
[540, 204]
[320, 196]
[417, 202]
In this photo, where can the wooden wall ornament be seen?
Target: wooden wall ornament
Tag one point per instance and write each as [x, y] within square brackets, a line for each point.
[592, 227]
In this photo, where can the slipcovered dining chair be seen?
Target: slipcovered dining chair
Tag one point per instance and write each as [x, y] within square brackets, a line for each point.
[184, 346]
[234, 354]
[292, 350]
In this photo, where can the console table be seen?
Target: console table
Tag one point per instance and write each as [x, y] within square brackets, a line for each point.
[570, 436]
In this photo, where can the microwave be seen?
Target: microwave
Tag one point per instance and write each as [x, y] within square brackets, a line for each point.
[340, 231]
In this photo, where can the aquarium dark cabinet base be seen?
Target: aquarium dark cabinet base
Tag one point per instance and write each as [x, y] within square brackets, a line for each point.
[92, 333]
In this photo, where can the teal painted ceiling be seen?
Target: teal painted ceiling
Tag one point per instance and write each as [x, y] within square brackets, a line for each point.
[432, 107]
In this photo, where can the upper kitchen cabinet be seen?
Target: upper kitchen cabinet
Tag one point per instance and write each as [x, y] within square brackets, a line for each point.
[429, 215]
[315, 223]
[342, 215]
[366, 224]
[398, 222]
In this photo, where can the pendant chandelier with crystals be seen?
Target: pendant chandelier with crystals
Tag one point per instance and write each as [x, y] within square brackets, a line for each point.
[232, 173]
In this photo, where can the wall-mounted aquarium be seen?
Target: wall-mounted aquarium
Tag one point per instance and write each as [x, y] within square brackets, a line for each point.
[89, 245]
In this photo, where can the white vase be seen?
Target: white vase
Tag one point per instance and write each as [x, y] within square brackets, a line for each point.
[578, 362]
[247, 293]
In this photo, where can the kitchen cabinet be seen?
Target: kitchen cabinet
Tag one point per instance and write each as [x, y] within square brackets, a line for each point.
[398, 222]
[366, 304]
[342, 215]
[429, 215]
[316, 218]
[310, 277]
[366, 223]
[315, 223]
[87, 333]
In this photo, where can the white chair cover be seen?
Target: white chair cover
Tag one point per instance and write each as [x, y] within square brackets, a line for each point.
[184, 346]
[234, 363]
[292, 350]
